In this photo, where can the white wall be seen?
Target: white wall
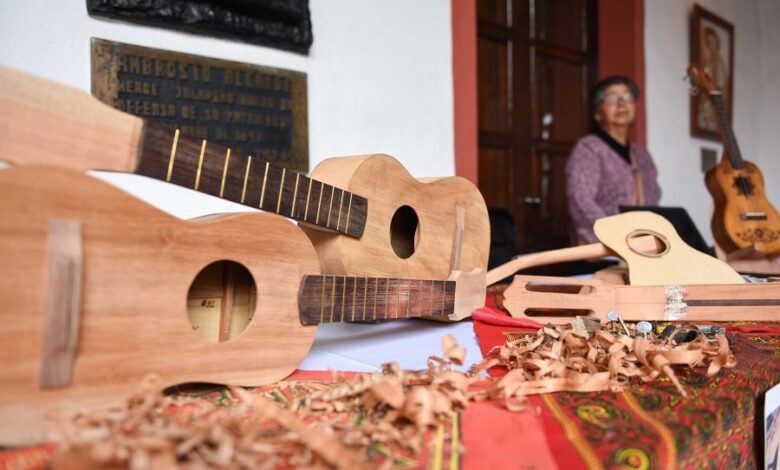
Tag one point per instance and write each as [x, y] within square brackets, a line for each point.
[756, 112]
[379, 77]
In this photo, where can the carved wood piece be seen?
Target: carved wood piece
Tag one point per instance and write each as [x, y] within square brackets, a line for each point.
[63, 303]
[671, 262]
[720, 302]
[388, 187]
[562, 255]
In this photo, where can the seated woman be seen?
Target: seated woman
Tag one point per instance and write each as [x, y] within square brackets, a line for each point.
[605, 170]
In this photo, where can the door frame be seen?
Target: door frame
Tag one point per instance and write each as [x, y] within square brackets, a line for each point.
[620, 28]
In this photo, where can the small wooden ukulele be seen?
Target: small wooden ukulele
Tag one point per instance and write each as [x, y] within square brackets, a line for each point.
[412, 228]
[743, 218]
[99, 289]
[591, 297]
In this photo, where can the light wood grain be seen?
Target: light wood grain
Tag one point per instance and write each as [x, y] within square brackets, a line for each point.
[750, 302]
[42, 121]
[681, 264]
[64, 262]
[562, 255]
[677, 264]
[388, 186]
[138, 266]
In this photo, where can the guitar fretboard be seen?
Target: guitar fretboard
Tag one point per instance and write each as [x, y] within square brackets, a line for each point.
[730, 140]
[212, 169]
[329, 299]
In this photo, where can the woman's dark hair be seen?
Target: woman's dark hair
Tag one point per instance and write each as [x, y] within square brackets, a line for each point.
[597, 96]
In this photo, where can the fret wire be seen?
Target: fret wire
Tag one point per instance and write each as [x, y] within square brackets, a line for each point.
[246, 177]
[387, 297]
[224, 174]
[343, 297]
[308, 196]
[265, 180]
[398, 296]
[200, 163]
[333, 299]
[322, 300]
[295, 194]
[349, 209]
[341, 206]
[317, 221]
[354, 298]
[281, 189]
[443, 296]
[376, 294]
[365, 295]
[173, 155]
[330, 206]
[419, 299]
[408, 297]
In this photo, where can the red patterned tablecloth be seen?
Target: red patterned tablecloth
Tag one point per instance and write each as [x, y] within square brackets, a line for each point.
[646, 426]
[651, 425]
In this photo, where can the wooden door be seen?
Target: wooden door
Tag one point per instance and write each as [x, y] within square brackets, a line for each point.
[536, 65]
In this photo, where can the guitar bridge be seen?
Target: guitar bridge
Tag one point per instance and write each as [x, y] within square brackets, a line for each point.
[753, 215]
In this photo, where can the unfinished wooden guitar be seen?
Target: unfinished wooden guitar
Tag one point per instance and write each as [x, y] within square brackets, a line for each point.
[413, 228]
[672, 261]
[99, 289]
[591, 297]
[649, 244]
[396, 225]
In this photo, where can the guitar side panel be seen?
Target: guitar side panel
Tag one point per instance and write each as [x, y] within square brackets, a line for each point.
[138, 265]
[388, 187]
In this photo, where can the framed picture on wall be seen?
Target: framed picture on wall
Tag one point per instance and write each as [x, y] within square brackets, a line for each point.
[712, 47]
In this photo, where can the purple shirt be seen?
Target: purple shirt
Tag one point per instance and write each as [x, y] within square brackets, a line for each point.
[598, 181]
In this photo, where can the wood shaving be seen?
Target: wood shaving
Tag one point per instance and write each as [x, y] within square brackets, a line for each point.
[395, 408]
[562, 358]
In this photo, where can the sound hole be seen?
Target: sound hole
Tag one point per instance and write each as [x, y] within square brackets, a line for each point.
[221, 301]
[657, 248]
[403, 231]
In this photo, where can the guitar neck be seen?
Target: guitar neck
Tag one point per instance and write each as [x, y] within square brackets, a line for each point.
[170, 156]
[729, 139]
[52, 124]
[330, 299]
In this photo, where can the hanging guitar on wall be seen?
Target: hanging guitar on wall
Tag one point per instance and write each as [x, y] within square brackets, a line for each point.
[743, 218]
[366, 215]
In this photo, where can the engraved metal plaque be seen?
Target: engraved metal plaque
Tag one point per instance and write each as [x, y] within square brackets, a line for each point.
[259, 111]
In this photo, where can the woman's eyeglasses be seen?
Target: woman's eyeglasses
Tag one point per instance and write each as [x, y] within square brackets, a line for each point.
[612, 100]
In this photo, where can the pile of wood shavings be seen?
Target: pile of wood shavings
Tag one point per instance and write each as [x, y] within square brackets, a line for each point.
[397, 408]
[570, 359]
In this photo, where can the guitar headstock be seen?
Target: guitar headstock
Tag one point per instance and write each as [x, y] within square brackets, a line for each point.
[470, 292]
[701, 79]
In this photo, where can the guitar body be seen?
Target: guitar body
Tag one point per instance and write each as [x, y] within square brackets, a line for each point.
[138, 265]
[729, 228]
[414, 228]
[672, 262]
